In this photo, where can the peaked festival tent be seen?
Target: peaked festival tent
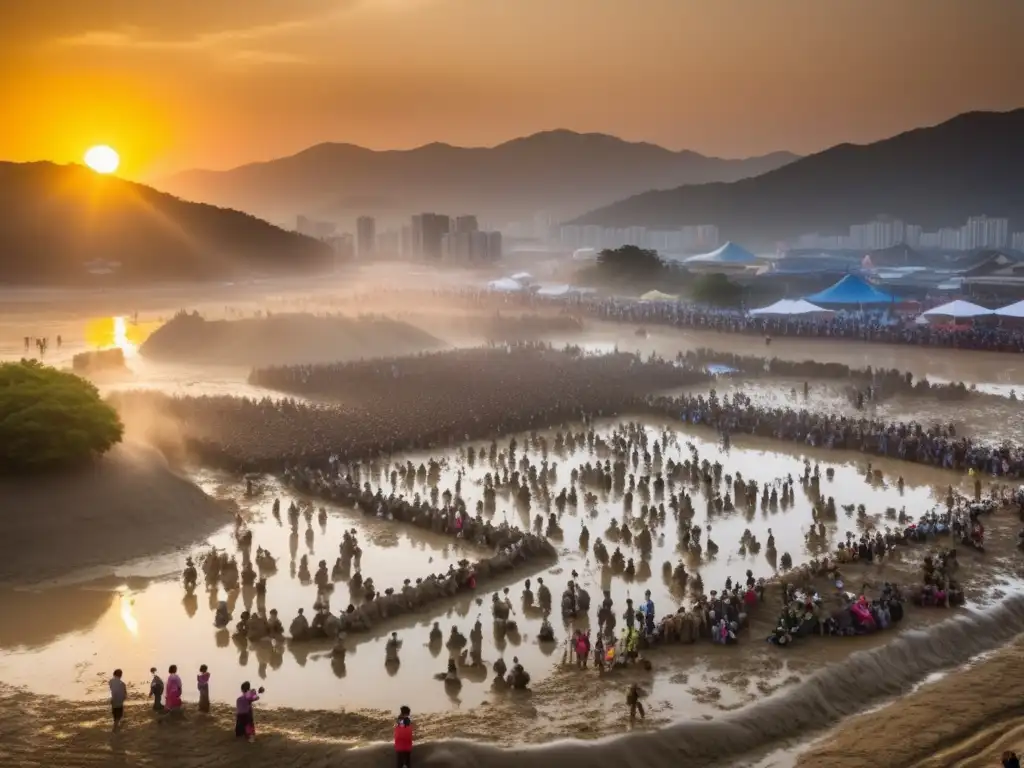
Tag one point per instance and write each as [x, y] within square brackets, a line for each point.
[790, 307]
[851, 290]
[658, 296]
[957, 309]
[729, 254]
[505, 284]
[1014, 310]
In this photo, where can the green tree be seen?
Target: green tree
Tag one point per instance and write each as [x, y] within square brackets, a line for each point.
[51, 418]
[716, 289]
[630, 261]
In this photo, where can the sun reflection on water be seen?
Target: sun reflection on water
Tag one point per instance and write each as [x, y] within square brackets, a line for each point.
[119, 332]
[128, 615]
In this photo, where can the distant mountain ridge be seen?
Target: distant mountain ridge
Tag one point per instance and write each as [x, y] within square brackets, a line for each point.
[559, 171]
[936, 177]
[60, 220]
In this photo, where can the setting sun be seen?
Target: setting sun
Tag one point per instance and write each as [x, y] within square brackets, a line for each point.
[102, 159]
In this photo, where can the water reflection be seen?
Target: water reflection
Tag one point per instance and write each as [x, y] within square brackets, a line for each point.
[159, 625]
[124, 333]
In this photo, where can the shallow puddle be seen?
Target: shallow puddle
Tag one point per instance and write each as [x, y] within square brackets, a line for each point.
[86, 633]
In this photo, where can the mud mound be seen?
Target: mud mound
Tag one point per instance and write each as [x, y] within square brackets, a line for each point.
[127, 505]
[290, 339]
[988, 719]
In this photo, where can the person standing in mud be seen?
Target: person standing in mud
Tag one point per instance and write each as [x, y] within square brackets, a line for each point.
[156, 690]
[203, 683]
[633, 700]
[403, 738]
[118, 695]
[245, 724]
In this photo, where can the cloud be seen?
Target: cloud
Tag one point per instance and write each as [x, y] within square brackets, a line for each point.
[257, 44]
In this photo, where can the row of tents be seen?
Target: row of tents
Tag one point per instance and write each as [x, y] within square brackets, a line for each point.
[854, 291]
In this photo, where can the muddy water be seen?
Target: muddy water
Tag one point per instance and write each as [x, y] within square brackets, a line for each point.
[991, 371]
[149, 624]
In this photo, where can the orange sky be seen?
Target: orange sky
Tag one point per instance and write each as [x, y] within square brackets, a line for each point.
[199, 83]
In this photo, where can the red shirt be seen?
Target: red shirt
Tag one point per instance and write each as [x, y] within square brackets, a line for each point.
[403, 734]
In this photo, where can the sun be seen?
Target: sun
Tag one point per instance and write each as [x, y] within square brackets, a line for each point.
[102, 159]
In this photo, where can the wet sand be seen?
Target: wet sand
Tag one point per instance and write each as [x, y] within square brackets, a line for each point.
[129, 504]
[965, 719]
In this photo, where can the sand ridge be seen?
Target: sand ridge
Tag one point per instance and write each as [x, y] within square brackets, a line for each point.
[126, 505]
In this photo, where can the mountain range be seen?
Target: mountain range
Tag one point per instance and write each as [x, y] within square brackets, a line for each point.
[560, 172]
[936, 177]
[66, 223]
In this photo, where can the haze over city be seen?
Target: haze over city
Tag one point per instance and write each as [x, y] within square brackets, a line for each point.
[204, 85]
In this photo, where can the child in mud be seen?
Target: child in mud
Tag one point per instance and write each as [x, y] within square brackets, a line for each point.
[633, 700]
[156, 690]
[203, 683]
[245, 725]
[118, 695]
[403, 738]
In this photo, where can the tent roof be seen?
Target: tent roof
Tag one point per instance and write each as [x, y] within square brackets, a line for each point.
[555, 290]
[790, 307]
[658, 296]
[851, 290]
[958, 308]
[1013, 310]
[504, 284]
[730, 253]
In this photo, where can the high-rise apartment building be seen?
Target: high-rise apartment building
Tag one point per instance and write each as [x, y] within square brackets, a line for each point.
[466, 224]
[366, 237]
[471, 247]
[428, 230]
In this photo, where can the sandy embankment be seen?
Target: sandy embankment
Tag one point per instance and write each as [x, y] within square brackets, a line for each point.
[128, 505]
[966, 719]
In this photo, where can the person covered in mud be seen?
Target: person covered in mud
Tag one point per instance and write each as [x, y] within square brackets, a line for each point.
[156, 690]
[633, 696]
[391, 649]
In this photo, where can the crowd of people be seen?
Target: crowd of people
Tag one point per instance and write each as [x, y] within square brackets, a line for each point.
[881, 326]
[387, 406]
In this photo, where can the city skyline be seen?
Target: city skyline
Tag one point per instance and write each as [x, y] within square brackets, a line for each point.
[201, 85]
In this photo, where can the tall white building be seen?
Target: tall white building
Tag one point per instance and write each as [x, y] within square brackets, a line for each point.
[1017, 241]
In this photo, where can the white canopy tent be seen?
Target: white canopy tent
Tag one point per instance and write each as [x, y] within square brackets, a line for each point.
[956, 309]
[790, 308]
[1014, 310]
[658, 296]
[504, 285]
[555, 290]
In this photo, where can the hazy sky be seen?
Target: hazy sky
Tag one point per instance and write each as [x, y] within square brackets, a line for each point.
[174, 84]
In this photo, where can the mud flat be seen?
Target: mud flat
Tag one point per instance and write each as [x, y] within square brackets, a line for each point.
[128, 505]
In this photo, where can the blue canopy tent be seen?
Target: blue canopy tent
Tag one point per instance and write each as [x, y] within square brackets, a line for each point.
[851, 290]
